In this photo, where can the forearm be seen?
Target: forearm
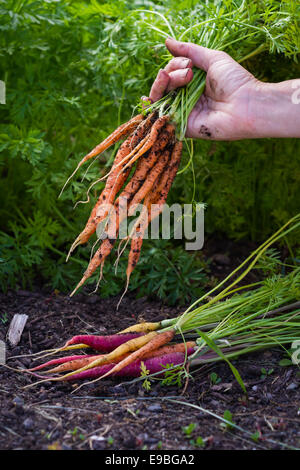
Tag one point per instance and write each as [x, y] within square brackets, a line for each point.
[274, 109]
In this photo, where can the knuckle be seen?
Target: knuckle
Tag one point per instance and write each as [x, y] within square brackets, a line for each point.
[181, 59]
[183, 48]
[220, 55]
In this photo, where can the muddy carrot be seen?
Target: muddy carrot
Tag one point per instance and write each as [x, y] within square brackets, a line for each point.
[151, 178]
[114, 182]
[120, 132]
[159, 123]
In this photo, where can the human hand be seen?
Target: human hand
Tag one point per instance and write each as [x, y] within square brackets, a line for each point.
[223, 111]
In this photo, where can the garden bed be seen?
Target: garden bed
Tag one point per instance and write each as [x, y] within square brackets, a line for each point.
[111, 415]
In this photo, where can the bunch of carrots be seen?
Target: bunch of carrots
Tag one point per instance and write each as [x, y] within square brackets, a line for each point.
[258, 318]
[151, 154]
[122, 354]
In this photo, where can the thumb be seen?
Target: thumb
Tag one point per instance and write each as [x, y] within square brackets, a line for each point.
[202, 57]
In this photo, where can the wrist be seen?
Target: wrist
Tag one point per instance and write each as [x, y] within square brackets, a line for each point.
[274, 109]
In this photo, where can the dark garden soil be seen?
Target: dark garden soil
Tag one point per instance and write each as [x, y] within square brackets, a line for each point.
[115, 415]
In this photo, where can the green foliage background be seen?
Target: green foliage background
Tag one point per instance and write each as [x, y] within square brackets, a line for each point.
[73, 72]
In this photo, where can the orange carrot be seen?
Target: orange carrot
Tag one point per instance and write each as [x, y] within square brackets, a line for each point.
[116, 179]
[156, 342]
[136, 246]
[120, 132]
[151, 178]
[76, 364]
[97, 260]
[147, 161]
[157, 195]
[159, 123]
[141, 181]
[73, 365]
[114, 223]
[113, 184]
[169, 349]
[160, 192]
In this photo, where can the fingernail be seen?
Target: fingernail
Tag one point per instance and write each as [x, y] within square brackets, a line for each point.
[186, 73]
[185, 63]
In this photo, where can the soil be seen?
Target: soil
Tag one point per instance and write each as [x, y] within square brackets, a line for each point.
[116, 414]
[111, 415]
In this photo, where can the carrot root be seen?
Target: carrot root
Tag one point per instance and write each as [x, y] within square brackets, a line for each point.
[153, 365]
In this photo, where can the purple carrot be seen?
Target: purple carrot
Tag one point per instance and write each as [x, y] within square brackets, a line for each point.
[134, 369]
[103, 343]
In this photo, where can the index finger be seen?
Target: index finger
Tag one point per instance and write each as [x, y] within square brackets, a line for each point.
[159, 86]
[200, 56]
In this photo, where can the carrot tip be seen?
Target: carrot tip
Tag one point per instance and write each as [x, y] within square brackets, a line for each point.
[75, 244]
[70, 177]
[78, 285]
[126, 289]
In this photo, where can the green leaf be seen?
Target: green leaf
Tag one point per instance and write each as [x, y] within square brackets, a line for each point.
[255, 436]
[285, 362]
[215, 348]
[229, 421]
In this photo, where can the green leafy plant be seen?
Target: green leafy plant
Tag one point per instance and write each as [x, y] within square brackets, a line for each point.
[228, 423]
[4, 318]
[266, 372]
[173, 375]
[189, 429]
[144, 373]
[214, 378]
[255, 436]
[198, 442]
[75, 70]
